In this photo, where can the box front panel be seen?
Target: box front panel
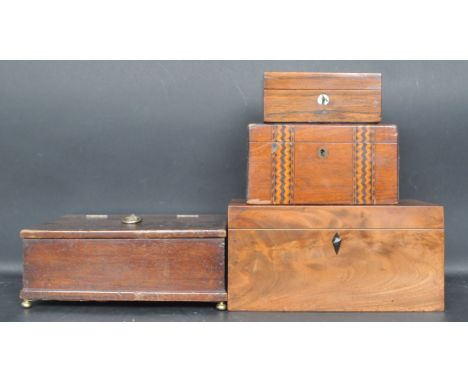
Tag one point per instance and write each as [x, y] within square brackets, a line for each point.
[308, 105]
[323, 173]
[124, 266]
[301, 270]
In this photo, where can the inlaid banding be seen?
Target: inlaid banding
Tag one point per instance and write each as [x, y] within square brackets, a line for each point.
[283, 165]
[363, 164]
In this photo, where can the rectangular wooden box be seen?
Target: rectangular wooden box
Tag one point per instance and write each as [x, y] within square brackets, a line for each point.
[322, 97]
[97, 257]
[322, 164]
[336, 258]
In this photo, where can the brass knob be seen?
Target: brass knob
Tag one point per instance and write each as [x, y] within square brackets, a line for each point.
[323, 99]
[132, 219]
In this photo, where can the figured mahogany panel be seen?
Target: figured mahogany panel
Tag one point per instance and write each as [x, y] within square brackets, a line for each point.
[299, 270]
[317, 164]
[405, 215]
[293, 97]
[124, 269]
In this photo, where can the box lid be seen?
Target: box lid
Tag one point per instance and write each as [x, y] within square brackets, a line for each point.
[112, 227]
[319, 133]
[322, 81]
[408, 214]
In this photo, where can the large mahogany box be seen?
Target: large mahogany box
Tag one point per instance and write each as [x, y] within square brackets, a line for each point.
[99, 257]
[336, 258]
[322, 164]
[322, 97]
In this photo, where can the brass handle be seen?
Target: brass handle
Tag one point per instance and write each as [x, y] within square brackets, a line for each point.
[132, 219]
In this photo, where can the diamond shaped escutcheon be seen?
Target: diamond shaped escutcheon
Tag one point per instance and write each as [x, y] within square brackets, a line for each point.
[336, 241]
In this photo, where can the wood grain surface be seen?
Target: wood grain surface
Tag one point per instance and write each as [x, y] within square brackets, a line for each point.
[111, 226]
[408, 214]
[124, 269]
[292, 97]
[298, 270]
[97, 257]
[360, 165]
[317, 81]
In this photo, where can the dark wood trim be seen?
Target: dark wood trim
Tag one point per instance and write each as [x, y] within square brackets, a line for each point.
[71, 295]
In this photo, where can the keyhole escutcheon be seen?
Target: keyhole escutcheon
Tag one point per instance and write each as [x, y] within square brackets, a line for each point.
[323, 99]
[322, 152]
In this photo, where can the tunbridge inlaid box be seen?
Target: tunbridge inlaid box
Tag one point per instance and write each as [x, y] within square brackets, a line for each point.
[336, 258]
[118, 258]
[322, 164]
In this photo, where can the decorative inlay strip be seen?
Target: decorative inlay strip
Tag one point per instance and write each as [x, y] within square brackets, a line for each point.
[283, 164]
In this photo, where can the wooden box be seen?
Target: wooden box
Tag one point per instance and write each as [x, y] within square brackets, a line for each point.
[322, 164]
[98, 257]
[336, 258]
[322, 97]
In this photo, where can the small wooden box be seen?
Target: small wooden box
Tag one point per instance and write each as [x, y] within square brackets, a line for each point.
[336, 258]
[322, 97]
[97, 257]
[322, 164]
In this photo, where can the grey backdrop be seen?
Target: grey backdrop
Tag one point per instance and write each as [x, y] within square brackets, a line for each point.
[167, 136]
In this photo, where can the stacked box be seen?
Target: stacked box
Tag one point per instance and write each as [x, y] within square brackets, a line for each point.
[322, 228]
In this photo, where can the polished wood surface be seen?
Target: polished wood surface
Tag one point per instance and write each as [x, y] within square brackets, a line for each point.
[408, 214]
[147, 269]
[299, 271]
[290, 263]
[326, 133]
[317, 81]
[292, 97]
[77, 258]
[337, 178]
[111, 226]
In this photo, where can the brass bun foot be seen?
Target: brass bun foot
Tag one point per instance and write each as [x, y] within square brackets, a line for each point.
[26, 304]
[221, 305]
